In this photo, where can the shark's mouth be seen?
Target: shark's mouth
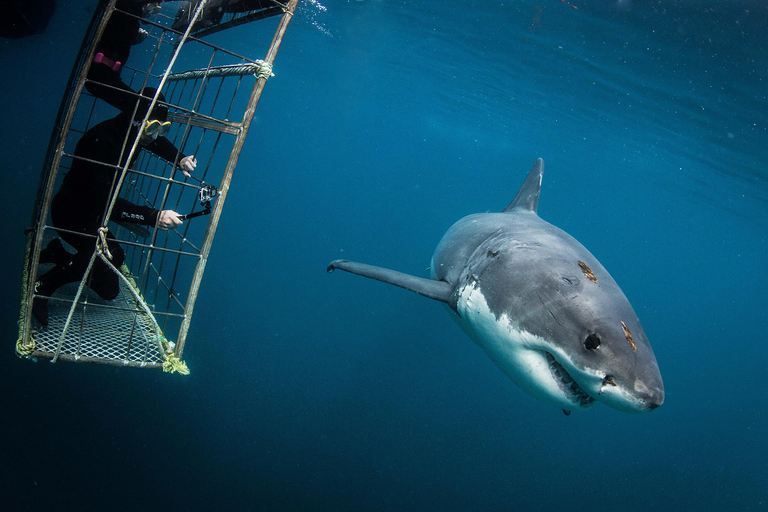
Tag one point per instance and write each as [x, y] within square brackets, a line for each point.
[567, 384]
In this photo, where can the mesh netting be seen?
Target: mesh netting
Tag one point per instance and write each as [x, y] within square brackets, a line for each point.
[107, 332]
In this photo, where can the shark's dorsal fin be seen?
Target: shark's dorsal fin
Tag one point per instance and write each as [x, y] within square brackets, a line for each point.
[527, 197]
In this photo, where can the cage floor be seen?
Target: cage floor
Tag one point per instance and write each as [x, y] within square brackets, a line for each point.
[101, 331]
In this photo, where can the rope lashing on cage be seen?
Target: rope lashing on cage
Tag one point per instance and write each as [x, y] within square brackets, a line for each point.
[171, 363]
[101, 243]
[259, 69]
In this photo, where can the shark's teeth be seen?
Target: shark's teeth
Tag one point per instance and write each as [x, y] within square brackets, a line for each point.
[569, 386]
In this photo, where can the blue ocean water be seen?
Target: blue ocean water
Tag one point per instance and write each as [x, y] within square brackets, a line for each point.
[386, 122]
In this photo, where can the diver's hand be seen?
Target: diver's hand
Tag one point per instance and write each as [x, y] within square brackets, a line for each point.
[141, 35]
[188, 164]
[168, 219]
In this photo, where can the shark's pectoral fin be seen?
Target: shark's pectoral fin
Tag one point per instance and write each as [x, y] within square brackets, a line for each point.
[438, 290]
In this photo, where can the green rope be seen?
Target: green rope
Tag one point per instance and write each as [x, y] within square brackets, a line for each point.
[259, 69]
[25, 347]
[264, 70]
[126, 272]
[172, 363]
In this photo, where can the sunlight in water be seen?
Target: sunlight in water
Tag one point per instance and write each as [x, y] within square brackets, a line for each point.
[310, 10]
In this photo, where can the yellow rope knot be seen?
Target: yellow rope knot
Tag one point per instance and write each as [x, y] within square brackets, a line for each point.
[171, 363]
[25, 349]
[174, 364]
[102, 242]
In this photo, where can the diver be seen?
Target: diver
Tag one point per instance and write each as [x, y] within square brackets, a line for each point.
[79, 205]
[112, 51]
[213, 11]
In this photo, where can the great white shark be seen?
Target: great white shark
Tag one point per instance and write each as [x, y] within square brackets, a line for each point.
[540, 305]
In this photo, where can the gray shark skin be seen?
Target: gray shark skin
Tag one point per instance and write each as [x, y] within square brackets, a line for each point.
[540, 305]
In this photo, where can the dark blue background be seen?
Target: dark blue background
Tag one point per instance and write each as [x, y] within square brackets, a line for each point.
[386, 122]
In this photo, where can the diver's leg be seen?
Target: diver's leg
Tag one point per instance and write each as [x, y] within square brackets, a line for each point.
[121, 98]
[55, 253]
[104, 281]
[51, 281]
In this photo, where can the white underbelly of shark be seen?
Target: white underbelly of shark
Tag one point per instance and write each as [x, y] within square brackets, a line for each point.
[519, 354]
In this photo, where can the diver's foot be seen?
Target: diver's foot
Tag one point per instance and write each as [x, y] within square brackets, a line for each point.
[54, 253]
[183, 17]
[185, 14]
[209, 17]
[40, 310]
[40, 304]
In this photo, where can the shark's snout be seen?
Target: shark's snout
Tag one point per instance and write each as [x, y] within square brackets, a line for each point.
[634, 396]
[651, 396]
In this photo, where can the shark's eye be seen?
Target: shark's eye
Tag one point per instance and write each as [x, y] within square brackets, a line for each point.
[592, 342]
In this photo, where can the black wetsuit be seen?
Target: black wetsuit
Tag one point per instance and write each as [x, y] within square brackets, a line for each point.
[115, 44]
[81, 202]
[214, 11]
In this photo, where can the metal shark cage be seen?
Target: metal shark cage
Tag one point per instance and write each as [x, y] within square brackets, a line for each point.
[148, 323]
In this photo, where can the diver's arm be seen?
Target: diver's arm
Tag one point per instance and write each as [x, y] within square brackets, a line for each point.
[126, 211]
[165, 149]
